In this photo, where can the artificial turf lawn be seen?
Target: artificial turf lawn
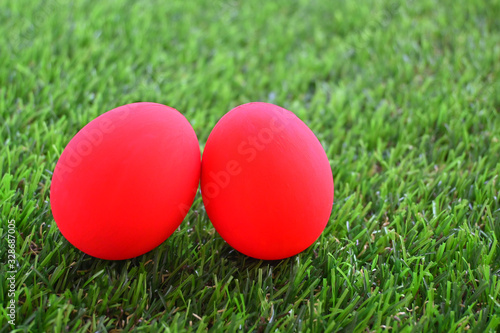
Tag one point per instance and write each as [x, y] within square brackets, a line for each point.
[404, 97]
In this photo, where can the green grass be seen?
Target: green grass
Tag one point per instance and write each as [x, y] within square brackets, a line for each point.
[404, 97]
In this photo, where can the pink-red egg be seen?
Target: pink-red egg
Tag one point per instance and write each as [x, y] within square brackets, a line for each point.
[125, 182]
[266, 181]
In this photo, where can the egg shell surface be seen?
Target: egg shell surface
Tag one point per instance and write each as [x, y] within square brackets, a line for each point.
[125, 182]
[266, 181]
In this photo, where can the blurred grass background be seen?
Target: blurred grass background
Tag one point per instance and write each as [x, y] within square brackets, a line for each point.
[403, 95]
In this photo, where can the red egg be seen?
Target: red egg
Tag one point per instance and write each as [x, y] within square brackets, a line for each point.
[266, 182]
[125, 182]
